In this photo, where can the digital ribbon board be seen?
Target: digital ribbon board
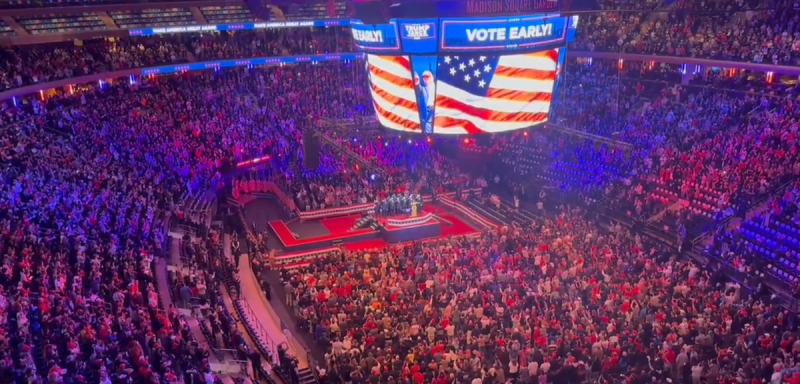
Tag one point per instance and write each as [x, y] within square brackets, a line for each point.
[258, 61]
[376, 37]
[238, 27]
[426, 35]
[502, 33]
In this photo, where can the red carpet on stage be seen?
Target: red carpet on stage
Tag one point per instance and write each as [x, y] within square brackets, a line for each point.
[339, 225]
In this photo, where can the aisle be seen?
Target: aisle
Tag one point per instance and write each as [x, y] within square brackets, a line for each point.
[261, 314]
[162, 283]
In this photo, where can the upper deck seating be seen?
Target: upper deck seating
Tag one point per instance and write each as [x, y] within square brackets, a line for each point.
[153, 17]
[227, 14]
[78, 22]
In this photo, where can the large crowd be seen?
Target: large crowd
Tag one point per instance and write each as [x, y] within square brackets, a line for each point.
[36, 64]
[761, 32]
[81, 229]
[88, 182]
[678, 150]
[247, 44]
[553, 301]
[740, 31]
[90, 179]
[558, 299]
[27, 65]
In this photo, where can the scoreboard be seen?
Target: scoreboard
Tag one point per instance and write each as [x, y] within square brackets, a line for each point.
[464, 76]
[444, 35]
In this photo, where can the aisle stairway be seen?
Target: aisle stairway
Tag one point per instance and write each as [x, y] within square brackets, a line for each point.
[306, 376]
[162, 282]
[261, 9]
[107, 20]
[266, 331]
[14, 25]
[227, 366]
[219, 361]
[198, 16]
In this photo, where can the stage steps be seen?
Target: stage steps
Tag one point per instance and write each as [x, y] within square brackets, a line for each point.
[368, 221]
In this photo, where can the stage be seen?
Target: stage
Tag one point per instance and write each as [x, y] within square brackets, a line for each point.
[296, 236]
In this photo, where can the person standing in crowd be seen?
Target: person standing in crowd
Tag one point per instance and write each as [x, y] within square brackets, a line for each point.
[255, 359]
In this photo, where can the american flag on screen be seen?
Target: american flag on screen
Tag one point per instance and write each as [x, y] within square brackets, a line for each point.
[489, 94]
[392, 89]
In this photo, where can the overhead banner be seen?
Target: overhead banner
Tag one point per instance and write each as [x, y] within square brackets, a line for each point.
[376, 37]
[502, 33]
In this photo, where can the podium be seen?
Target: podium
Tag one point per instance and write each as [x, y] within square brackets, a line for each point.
[414, 209]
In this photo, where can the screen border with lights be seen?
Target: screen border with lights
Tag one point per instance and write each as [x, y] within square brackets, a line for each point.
[403, 56]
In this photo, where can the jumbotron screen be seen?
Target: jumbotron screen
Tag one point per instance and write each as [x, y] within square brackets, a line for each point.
[463, 94]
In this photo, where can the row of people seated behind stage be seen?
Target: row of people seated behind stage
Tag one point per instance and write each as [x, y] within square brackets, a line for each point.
[556, 301]
[412, 156]
[336, 184]
[399, 204]
[345, 189]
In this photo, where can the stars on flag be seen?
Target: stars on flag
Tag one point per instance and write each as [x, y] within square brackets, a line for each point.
[457, 65]
[472, 74]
